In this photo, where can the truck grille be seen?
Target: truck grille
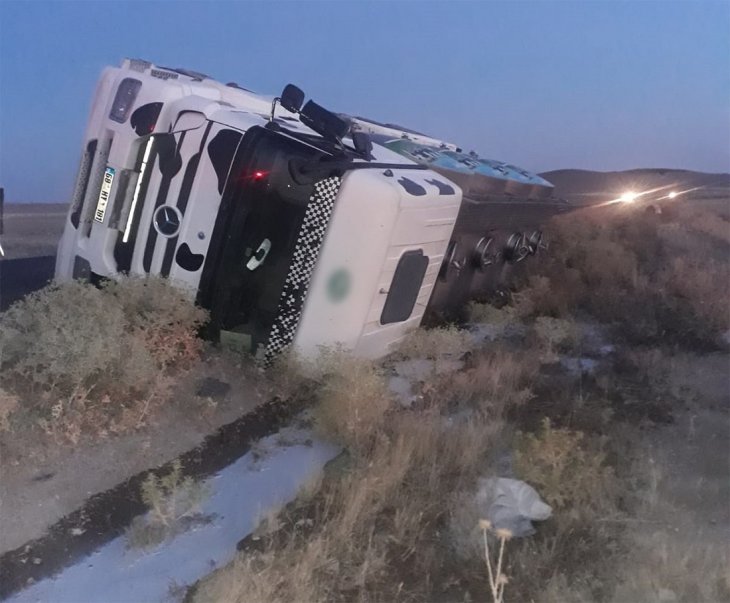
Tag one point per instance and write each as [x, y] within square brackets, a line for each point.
[124, 247]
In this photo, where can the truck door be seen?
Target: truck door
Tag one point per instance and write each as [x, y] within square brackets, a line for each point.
[254, 238]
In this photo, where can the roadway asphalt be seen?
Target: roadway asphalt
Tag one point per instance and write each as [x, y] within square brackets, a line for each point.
[18, 277]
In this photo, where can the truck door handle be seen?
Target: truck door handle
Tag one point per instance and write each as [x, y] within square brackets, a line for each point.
[258, 258]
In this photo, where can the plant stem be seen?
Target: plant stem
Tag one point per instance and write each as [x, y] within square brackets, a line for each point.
[499, 565]
[489, 566]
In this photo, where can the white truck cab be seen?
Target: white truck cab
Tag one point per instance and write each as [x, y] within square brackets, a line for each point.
[291, 232]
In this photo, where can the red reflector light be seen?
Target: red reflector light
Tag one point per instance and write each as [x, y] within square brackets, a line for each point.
[252, 176]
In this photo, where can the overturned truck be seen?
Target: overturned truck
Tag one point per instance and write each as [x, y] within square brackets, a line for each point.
[292, 225]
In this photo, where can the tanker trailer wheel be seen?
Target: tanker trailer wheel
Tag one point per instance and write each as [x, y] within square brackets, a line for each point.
[535, 242]
[517, 248]
[451, 264]
[482, 256]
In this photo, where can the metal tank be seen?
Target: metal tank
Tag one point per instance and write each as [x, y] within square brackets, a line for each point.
[499, 226]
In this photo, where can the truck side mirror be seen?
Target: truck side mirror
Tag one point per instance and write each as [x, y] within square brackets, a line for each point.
[363, 145]
[324, 122]
[292, 98]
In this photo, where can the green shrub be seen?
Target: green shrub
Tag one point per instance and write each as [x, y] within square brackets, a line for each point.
[174, 503]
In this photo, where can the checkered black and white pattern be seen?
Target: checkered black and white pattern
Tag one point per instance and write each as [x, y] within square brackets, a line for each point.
[306, 252]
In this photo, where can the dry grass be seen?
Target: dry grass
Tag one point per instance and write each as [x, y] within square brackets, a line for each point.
[8, 405]
[378, 531]
[555, 335]
[498, 580]
[435, 343]
[489, 314]
[353, 402]
[84, 361]
[373, 530]
[663, 568]
[657, 279]
[400, 521]
[493, 380]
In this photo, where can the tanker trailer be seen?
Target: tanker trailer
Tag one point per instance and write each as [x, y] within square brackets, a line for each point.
[500, 219]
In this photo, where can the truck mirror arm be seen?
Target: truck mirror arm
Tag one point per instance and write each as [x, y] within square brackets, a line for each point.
[307, 172]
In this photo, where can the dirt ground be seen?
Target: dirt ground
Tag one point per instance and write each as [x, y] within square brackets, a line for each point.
[696, 450]
[32, 229]
[679, 540]
[42, 482]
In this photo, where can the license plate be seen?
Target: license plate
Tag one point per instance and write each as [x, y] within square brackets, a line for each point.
[106, 187]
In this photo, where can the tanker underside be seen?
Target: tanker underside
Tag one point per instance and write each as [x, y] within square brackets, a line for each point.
[492, 238]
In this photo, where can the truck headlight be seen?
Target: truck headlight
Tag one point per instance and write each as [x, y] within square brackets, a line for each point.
[124, 99]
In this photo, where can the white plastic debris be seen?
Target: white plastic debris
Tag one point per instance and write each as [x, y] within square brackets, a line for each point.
[401, 388]
[511, 504]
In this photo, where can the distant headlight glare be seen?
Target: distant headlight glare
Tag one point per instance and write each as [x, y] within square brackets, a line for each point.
[629, 197]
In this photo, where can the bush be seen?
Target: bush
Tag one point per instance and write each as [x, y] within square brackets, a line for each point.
[566, 472]
[63, 335]
[555, 334]
[71, 344]
[435, 343]
[489, 314]
[656, 281]
[174, 504]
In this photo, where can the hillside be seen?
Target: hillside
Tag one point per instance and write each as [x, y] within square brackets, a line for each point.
[586, 186]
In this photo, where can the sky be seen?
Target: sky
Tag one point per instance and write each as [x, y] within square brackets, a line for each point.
[603, 85]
